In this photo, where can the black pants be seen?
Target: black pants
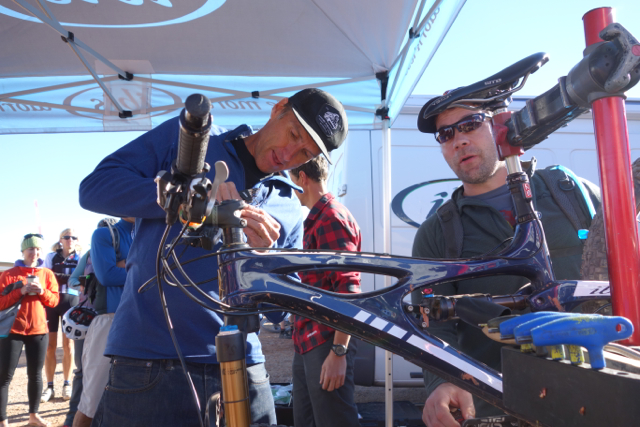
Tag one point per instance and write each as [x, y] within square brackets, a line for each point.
[10, 350]
[54, 314]
[76, 385]
[315, 407]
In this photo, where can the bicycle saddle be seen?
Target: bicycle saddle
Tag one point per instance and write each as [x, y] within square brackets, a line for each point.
[490, 94]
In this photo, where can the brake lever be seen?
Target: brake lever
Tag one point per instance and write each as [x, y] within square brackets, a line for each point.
[221, 175]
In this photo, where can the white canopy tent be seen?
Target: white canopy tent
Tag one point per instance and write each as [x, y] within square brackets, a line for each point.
[243, 54]
[98, 65]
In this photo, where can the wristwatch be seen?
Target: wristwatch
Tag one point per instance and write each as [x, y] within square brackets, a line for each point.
[339, 349]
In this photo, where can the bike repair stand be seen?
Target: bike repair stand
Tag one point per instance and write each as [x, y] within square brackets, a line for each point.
[612, 138]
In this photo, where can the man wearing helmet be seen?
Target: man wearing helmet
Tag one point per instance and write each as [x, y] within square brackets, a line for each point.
[485, 210]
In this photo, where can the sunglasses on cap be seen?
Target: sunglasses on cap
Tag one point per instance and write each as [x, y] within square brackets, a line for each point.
[467, 124]
[69, 237]
[28, 236]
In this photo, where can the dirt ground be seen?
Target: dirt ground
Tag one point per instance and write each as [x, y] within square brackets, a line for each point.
[278, 351]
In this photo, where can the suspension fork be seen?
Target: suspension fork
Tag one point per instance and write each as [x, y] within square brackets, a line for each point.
[230, 351]
[231, 344]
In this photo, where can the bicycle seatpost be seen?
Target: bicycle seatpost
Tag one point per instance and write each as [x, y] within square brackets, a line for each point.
[517, 180]
[507, 152]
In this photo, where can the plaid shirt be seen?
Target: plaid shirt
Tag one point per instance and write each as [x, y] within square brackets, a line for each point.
[328, 226]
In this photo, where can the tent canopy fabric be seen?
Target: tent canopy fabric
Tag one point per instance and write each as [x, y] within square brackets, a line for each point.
[61, 58]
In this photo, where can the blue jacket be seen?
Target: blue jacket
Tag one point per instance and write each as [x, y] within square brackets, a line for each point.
[122, 185]
[104, 260]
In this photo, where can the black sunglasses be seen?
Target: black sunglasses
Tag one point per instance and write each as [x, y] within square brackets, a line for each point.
[69, 237]
[467, 124]
[28, 236]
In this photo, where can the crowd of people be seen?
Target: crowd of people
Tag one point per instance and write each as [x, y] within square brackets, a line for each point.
[46, 292]
[127, 369]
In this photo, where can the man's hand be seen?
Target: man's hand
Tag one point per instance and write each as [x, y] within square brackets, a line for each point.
[437, 412]
[262, 229]
[333, 372]
[122, 263]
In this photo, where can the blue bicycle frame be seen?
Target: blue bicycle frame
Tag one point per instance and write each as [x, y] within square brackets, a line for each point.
[251, 279]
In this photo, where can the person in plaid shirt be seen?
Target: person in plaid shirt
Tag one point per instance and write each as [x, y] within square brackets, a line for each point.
[323, 385]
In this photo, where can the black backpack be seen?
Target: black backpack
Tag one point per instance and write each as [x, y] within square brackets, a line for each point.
[93, 289]
[561, 183]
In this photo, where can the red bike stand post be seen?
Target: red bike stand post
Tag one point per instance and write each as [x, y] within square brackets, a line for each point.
[610, 123]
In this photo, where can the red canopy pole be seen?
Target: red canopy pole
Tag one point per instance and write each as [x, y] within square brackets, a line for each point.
[609, 120]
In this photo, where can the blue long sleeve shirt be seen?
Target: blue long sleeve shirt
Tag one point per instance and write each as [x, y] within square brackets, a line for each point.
[122, 185]
[104, 260]
[74, 279]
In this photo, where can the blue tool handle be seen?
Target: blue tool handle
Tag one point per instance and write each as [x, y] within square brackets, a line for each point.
[508, 326]
[589, 330]
[522, 332]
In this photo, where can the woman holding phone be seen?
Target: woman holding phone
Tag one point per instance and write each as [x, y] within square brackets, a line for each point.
[36, 287]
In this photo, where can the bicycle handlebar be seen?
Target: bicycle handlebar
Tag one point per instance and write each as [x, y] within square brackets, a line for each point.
[195, 124]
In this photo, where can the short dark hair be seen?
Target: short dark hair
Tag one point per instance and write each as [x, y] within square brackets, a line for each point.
[316, 169]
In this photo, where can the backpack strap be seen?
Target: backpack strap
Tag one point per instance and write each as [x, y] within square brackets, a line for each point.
[451, 224]
[93, 288]
[115, 239]
[565, 189]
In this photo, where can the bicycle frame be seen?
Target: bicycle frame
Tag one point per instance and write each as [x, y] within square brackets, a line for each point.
[249, 278]
[262, 281]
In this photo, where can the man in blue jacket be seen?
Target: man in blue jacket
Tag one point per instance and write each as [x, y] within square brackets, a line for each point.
[147, 384]
[108, 257]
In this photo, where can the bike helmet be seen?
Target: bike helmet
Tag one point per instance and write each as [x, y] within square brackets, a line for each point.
[76, 321]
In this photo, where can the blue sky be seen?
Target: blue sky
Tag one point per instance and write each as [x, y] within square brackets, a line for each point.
[488, 36]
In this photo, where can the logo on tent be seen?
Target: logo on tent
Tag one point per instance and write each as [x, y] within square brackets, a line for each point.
[164, 10]
[134, 97]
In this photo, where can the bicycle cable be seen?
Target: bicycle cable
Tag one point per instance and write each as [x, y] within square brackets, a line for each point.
[165, 311]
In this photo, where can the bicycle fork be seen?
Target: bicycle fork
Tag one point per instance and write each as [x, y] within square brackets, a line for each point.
[230, 350]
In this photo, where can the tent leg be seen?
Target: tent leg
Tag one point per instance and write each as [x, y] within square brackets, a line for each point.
[386, 220]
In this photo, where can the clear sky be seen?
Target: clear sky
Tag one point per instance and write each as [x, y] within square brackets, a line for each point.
[488, 36]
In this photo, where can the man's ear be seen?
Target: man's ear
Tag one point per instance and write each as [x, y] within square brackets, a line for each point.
[275, 110]
[302, 178]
